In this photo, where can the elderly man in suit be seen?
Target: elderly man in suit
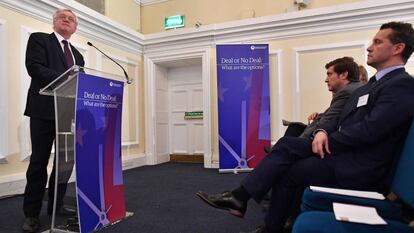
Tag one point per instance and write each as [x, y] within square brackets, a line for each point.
[354, 150]
[47, 57]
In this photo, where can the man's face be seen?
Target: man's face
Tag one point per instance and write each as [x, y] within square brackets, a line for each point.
[334, 80]
[381, 50]
[65, 24]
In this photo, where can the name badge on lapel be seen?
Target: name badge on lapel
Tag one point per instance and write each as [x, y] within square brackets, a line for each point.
[363, 100]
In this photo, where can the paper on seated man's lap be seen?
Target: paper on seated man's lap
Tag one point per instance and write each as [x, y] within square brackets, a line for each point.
[357, 214]
[348, 192]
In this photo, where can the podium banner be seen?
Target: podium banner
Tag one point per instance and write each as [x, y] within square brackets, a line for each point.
[243, 105]
[99, 182]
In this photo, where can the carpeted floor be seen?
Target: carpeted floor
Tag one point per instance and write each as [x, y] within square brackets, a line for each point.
[163, 200]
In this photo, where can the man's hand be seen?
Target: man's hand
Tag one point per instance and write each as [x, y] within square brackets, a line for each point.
[320, 144]
[312, 117]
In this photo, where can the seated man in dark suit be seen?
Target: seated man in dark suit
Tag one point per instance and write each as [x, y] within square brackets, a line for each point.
[342, 78]
[354, 150]
[340, 93]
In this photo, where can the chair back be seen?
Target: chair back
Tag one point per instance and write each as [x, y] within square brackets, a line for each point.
[403, 180]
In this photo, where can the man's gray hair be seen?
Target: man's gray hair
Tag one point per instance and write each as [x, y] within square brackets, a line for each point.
[64, 10]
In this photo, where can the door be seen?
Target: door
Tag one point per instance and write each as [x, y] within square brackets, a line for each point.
[186, 95]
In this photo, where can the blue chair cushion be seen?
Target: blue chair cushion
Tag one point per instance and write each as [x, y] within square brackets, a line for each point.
[323, 201]
[325, 222]
[403, 184]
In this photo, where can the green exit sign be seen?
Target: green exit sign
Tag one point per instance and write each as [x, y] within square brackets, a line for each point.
[174, 21]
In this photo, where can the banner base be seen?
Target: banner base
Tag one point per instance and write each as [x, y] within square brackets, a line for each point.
[62, 230]
[235, 170]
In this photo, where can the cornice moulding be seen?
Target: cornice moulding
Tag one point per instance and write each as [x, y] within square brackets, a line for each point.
[346, 17]
[354, 16]
[91, 24]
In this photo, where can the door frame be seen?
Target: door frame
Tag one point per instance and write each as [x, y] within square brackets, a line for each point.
[150, 63]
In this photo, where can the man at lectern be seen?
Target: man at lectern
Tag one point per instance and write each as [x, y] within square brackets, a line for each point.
[47, 57]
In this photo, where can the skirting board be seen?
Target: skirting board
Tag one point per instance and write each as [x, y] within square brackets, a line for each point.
[15, 184]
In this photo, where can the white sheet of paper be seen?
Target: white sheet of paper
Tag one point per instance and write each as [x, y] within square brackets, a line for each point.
[348, 192]
[357, 214]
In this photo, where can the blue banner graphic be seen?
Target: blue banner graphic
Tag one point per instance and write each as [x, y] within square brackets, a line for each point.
[243, 105]
[99, 183]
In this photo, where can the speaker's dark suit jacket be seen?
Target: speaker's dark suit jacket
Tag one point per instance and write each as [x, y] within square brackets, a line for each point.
[45, 61]
[365, 139]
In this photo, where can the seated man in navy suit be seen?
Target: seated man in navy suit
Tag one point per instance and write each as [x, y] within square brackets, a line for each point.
[354, 150]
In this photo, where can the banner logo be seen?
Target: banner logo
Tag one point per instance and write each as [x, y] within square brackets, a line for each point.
[112, 84]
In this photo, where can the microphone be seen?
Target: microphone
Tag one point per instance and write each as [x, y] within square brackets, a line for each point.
[129, 81]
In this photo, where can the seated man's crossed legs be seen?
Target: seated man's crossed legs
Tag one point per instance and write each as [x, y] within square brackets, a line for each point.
[291, 165]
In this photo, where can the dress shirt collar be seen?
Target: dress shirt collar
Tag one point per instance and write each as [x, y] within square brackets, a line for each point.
[60, 38]
[385, 71]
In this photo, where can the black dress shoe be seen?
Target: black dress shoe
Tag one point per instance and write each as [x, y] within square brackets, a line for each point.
[72, 224]
[31, 225]
[225, 201]
[63, 211]
[260, 229]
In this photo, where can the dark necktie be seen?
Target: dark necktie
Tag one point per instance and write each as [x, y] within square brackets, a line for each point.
[68, 54]
[372, 79]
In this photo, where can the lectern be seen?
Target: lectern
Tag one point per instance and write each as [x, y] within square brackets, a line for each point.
[88, 113]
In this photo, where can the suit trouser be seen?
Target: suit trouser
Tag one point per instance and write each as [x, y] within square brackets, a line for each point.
[42, 133]
[291, 165]
[294, 129]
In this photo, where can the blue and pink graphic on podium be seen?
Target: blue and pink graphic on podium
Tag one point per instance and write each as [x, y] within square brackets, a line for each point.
[99, 182]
